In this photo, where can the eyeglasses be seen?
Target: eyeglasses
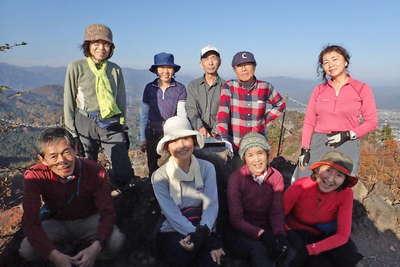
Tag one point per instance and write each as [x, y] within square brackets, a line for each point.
[66, 154]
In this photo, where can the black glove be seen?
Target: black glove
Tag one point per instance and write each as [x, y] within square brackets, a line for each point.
[276, 245]
[199, 237]
[304, 157]
[336, 139]
[80, 151]
[281, 244]
[214, 241]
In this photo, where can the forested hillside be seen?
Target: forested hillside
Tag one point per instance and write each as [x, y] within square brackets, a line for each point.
[24, 114]
[35, 109]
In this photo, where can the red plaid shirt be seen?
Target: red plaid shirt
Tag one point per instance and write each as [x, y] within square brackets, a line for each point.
[244, 110]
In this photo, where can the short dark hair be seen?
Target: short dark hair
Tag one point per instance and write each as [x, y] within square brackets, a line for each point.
[86, 49]
[343, 186]
[327, 49]
[52, 134]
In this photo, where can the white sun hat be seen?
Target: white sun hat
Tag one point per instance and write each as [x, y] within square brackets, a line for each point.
[177, 127]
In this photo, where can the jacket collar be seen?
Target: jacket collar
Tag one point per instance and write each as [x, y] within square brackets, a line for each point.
[172, 83]
[78, 171]
[350, 81]
[244, 170]
[203, 80]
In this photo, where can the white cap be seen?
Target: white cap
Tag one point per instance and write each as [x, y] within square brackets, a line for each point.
[207, 49]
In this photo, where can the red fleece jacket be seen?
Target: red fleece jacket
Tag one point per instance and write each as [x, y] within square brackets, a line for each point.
[306, 205]
[94, 197]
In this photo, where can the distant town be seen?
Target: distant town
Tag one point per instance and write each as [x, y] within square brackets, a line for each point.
[392, 118]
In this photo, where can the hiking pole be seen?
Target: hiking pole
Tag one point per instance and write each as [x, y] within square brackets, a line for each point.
[282, 129]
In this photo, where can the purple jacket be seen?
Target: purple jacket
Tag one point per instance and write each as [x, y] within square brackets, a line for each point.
[163, 105]
[252, 206]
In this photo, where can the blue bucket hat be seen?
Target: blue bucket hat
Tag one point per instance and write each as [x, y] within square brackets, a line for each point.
[164, 59]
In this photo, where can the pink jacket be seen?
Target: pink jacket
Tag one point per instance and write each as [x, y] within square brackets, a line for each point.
[327, 112]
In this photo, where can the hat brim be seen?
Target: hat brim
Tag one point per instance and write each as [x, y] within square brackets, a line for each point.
[352, 179]
[244, 62]
[267, 148]
[153, 67]
[101, 39]
[179, 134]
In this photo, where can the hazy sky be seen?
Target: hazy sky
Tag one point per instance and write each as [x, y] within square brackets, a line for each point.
[285, 36]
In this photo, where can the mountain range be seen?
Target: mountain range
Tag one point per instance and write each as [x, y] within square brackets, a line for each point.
[30, 78]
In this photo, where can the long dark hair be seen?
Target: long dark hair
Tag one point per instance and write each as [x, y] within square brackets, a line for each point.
[86, 49]
[327, 49]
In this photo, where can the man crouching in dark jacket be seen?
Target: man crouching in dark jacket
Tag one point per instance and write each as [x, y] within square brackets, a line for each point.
[77, 209]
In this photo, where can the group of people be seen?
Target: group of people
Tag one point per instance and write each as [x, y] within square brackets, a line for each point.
[67, 198]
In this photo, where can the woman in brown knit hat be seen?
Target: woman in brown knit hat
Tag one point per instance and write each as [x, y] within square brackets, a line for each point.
[95, 103]
[318, 211]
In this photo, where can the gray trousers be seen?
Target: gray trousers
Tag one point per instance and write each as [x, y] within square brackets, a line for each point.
[318, 148]
[67, 234]
[114, 143]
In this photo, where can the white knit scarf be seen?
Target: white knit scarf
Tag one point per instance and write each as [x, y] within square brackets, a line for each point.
[176, 175]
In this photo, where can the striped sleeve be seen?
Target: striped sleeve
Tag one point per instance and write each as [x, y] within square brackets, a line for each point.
[278, 105]
[223, 115]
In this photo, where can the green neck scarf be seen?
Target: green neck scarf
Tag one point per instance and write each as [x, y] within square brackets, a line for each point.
[104, 93]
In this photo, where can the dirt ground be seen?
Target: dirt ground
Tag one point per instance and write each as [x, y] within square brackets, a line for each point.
[137, 213]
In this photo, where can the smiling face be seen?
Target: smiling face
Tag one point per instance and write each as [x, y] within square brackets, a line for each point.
[245, 72]
[334, 64]
[256, 159]
[181, 148]
[165, 73]
[60, 157]
[329, 179]
[210, 63]
[99, 50]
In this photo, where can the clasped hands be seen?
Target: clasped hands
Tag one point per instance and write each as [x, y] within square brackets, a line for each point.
[84, 258]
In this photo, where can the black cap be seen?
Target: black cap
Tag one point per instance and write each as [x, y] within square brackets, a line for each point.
[243, 57]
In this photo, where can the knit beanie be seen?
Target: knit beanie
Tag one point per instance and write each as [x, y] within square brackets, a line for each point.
[251, 140]
[96, 32]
